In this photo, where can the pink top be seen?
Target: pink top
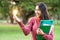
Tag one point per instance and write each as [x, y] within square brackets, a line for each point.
[32, 26]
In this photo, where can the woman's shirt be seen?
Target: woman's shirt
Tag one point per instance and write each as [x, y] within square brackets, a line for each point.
[32, 26]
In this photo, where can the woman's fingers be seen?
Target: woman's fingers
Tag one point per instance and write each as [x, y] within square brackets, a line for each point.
[15, 12]
[40, 31]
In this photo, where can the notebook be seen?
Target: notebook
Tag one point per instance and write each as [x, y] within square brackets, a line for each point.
[45, 25]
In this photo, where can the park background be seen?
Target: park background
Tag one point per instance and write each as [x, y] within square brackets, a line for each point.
[10, 30]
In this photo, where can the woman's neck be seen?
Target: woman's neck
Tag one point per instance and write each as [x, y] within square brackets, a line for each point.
[38, 17]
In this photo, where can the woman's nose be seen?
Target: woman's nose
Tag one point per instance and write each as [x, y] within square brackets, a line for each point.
[36, 11]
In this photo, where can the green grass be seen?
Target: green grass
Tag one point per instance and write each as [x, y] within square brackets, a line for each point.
[57, 32]
[13, 32]
[8, 32]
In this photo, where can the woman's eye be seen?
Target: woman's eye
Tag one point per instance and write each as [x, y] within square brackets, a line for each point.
[39, 9]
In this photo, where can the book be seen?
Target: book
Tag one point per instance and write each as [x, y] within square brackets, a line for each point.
[45, 25]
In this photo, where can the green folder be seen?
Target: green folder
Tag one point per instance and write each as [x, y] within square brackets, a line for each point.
[45, 25]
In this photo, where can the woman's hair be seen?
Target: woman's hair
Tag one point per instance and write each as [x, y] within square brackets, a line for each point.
[44, 12]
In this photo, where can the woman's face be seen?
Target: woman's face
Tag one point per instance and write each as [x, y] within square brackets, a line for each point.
[37, 11]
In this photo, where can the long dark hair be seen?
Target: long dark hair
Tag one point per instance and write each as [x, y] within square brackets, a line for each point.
[44, 12]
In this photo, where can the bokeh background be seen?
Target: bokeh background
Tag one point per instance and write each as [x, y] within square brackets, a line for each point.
[10, 30]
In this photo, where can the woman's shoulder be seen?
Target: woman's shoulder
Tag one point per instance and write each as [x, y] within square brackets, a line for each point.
[32, 18]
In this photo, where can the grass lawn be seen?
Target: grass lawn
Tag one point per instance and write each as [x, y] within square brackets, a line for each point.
[57, 32]
[13, 32]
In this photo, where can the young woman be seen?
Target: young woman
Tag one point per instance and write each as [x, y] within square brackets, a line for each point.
[33, 23]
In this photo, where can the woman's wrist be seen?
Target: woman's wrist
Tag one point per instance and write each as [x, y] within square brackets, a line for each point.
[17, 19]
[42, 34]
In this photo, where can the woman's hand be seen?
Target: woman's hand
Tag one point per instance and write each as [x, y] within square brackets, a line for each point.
[15, 12]
[15, 17]
[39, 31]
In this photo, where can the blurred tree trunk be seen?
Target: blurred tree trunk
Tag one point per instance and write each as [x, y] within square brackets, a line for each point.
[11, 19]
[23, 15]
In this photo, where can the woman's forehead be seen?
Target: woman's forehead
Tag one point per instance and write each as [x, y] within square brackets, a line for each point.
[37, 7]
